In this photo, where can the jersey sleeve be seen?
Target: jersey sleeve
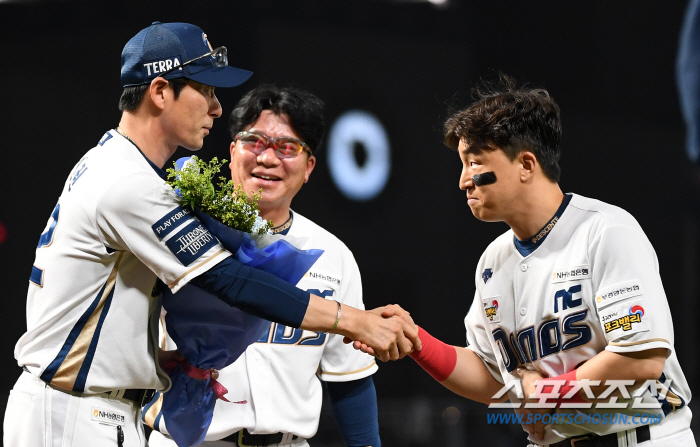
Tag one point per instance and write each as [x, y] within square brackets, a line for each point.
[340, 362]
[139, 214]
[630, 301]
[479, 340]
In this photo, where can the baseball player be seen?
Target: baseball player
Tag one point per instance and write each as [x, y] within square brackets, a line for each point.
[89, 353]
[571, 292]
[274, 132]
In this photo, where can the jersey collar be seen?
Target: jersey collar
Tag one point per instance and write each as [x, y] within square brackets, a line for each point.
[161, 173]
[529, 245]
[285, 227]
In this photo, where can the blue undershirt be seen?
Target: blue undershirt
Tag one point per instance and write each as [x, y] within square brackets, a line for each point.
[354, 406]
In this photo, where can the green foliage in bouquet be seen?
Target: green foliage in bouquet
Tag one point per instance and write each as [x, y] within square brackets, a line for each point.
[228, 204]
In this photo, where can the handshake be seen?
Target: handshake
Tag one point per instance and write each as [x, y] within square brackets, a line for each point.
[387, 332]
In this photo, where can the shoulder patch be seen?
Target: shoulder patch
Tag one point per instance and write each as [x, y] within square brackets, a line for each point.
[622, 320]
[191, 242]
[170, 221]
[618, 292]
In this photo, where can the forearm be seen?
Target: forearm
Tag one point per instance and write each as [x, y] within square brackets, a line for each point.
[354, 405]
[458, 369]
[471, 378]
[256, 292]
[638, 366]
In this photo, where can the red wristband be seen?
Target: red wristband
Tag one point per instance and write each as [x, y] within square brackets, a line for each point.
[437, 358]
[568, 378]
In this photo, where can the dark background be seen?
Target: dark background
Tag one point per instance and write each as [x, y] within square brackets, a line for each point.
[609, 65]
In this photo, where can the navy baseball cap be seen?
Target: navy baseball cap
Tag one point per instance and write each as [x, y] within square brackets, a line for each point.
[163, 46]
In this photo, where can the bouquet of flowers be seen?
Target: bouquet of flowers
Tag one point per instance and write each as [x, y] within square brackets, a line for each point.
[208, 332]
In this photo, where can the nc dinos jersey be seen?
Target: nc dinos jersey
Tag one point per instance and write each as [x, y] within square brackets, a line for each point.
[274, 386]
[588, 281]
[91, 319]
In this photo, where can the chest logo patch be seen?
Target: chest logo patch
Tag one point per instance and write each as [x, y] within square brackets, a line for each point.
[571, 274]
[491, 309]
[486, 275]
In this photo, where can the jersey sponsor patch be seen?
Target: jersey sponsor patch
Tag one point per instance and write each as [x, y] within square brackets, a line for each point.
[491, 309]
[571, 274]
[323, 277]
[107, 416]
[191, 242]
[171, 221]
[624, 319]
[618, 292]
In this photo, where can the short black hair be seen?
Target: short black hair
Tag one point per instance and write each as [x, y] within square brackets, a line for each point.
[513, 119]
[132, 96]
[304, 110]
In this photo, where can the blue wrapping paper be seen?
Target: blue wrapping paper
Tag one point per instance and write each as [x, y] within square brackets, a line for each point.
[212, 334]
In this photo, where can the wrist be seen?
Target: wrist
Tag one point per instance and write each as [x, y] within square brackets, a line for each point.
[566, 383]
[437, 358]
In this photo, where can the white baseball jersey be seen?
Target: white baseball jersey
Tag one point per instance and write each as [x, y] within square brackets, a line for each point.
[587, 282]
[92, 323]
[274, 387]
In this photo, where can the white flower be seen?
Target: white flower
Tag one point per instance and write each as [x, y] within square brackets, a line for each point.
[259, 224]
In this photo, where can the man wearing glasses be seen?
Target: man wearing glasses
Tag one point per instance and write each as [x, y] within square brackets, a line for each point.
[274, 384]
[89, 353]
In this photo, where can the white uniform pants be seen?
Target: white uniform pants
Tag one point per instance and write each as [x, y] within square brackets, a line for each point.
[40, 416]
[159, 440]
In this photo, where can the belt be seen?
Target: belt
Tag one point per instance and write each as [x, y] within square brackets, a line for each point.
[244, 438]
[609, 440]
[139, 396]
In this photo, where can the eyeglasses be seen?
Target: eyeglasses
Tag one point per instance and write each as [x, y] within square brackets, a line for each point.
[285, 147]
[219, 56]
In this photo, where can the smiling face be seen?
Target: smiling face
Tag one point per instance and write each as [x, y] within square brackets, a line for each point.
[279, 179]
[191, 116]
[498, 201]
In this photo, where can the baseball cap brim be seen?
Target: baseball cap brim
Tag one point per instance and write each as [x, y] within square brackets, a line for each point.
[221, 76]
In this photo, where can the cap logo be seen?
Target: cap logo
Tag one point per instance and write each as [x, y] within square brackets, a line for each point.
[160, 66]
[205, 39]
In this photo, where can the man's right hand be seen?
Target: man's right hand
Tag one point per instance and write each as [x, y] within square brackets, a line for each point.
[385, 337]
[407, 343]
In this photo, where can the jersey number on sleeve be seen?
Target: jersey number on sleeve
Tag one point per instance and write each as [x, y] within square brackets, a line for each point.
[37, 275]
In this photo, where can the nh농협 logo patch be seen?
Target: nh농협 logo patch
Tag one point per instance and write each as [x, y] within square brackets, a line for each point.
[107, 416]
[571, 274]
[191, 242]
